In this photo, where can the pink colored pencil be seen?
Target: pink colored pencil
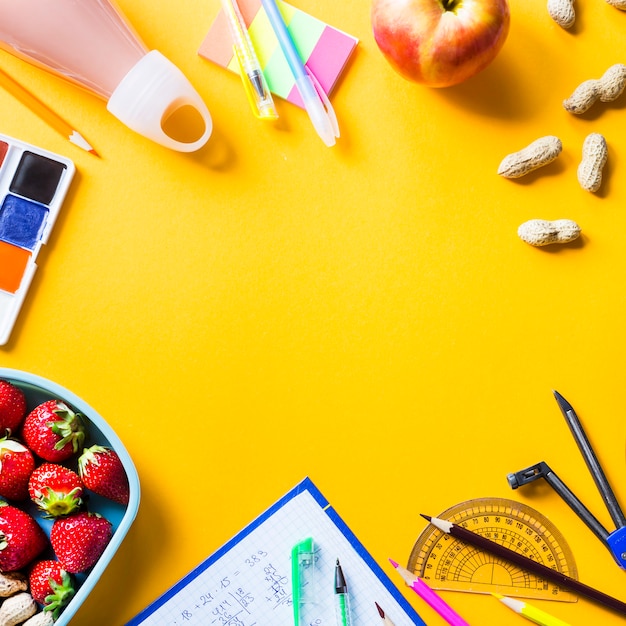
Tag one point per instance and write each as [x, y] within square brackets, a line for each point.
[429, 596]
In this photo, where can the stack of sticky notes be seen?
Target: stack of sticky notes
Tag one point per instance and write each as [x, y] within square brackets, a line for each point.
[324, 49]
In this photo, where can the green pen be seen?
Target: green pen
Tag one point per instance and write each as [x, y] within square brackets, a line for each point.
[302, 578]
[342, 601]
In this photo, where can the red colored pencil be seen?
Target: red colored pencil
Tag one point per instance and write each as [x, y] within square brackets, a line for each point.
[386, 620]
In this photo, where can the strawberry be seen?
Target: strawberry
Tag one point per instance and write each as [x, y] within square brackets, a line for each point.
[21, 538]
[53, 431]
[16, 465]
[12, 406]
[80, 539]
[51, 586]
[55, 489]
[102, 471]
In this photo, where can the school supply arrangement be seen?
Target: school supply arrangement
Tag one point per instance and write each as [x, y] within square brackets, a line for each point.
[324, 49]
[300, 57]
[297, 561]
[485, 533]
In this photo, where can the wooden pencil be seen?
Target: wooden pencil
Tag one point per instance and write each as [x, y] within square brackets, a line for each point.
[43, 111]
[386, 620]
[530, 612]
[478, 541]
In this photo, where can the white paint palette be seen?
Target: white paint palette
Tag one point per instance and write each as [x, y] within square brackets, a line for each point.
[33, 186]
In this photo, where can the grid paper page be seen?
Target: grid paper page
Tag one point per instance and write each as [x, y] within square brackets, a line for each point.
[250, 583]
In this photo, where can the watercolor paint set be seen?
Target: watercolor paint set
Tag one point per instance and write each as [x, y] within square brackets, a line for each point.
[33, 186]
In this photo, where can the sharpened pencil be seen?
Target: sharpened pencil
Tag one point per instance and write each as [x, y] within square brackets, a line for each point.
[530, 612]
[43, 111]
[434, 600]
[525, 563]
[386, 620]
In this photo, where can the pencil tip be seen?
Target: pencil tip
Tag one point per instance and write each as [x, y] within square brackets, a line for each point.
[497, 595]
[562, 402]
[92, 151]
[78, 140]
[393, 563]
[380, 611]
[426, 517]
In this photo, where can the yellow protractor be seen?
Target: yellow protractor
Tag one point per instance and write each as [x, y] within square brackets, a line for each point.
[447, 563]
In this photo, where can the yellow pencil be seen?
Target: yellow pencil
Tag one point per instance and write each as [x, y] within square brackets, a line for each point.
[43, 111]
[530, 612]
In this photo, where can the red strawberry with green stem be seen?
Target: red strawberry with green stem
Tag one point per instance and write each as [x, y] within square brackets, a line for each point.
[55, 489]
[79, 540]
[16, 465]
[12, 406]
[21, 538]
[53, 431]
[51, 586]
[102, 472]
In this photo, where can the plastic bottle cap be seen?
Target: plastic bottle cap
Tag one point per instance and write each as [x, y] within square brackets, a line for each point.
[151, 92]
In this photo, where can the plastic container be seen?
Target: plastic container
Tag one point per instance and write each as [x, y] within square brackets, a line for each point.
[38, 390]
[92, 44]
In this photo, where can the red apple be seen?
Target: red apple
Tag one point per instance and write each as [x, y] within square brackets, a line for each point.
[440, 42]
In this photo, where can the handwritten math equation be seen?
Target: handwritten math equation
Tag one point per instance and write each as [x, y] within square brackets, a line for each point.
[228, 603]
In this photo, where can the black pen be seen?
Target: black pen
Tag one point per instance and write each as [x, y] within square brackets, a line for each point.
[342, 601]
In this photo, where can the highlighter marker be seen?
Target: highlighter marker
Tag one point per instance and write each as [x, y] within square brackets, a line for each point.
[303, 578]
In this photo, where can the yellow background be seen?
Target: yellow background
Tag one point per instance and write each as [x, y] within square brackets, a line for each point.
[268, 308]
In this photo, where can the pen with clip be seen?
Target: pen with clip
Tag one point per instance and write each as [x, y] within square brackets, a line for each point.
[315, 100]
[252, 76]
[342, 601]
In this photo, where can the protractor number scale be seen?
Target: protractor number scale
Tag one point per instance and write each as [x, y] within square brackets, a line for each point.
[445, 562]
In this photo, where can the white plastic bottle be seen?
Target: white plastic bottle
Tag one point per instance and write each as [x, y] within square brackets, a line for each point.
[92, 44]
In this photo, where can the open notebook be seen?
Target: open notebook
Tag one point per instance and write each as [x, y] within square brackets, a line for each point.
[247, 582]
